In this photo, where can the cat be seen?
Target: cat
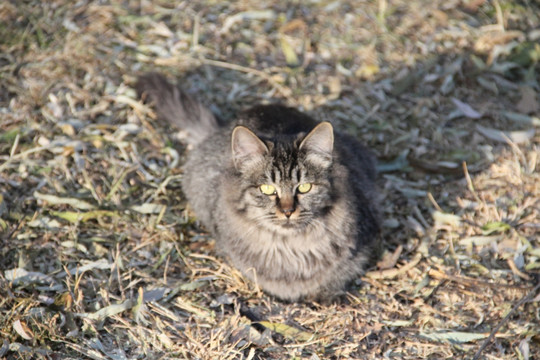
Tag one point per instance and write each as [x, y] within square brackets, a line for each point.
[290, 202]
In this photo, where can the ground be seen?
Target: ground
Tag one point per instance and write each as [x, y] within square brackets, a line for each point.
[101, 257]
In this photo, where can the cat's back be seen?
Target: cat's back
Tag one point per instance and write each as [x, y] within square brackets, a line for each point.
[274, 120]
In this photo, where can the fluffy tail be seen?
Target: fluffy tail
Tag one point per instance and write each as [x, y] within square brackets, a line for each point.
[176, 107]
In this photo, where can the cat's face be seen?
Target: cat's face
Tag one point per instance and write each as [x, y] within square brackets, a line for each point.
[286, 183]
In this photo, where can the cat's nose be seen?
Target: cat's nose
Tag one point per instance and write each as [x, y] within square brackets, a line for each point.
[286, 205]
[287, 212]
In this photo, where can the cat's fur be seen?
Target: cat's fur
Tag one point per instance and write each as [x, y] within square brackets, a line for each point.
[293, 245]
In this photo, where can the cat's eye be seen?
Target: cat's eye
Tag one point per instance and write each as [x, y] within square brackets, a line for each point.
[267, 189]
[304, 188]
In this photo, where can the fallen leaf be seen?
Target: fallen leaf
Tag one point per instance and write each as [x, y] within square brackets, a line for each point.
[148, 208]
[495, 227]
[23, 330]
[529, 100]
[367, 71]
[21, 276]
[389, 260]
[466, 109]
[489, 85]
[290, 56]
[70, 244]
[56, 200]
[437, 167]
[194, 285]
[74, 217]
[517, 137]
[453, 336]
[45, 222]
[288, 331]
[400, 162]
[112, 310]
[406, 82]
[446, 219]
[521, 118]
[100, 264]
[398, 323]
[5, 348]
[479, 240]
[246, 15]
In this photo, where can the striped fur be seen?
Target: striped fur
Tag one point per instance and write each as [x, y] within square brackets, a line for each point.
[325, 237]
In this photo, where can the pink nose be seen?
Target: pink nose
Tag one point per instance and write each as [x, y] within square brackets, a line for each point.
[286, 205]
[287, 212]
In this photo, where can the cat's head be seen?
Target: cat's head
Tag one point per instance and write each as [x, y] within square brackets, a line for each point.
[286, 181]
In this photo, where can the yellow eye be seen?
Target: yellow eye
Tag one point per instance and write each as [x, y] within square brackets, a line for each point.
[267, 189]
[304, 188]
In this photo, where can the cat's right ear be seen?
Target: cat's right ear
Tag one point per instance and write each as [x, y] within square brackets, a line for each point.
[319, 144]
[247, 148]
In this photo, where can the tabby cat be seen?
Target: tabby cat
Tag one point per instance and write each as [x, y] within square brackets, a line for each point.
[290, 201]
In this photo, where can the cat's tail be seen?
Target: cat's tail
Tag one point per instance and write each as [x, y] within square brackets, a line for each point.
[176, 107]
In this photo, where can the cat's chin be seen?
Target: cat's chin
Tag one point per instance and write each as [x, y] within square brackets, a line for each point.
[289, 226]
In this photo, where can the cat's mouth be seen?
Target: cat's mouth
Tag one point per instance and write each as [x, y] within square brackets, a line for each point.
[290, 224]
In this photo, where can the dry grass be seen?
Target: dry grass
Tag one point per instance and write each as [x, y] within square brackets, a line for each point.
[101, 260]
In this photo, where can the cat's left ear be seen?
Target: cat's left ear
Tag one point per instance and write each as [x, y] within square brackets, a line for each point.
[247, 148]
[319, 144]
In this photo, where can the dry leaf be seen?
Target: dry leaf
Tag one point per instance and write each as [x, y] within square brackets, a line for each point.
[101, 264]
[288, 331]
[389, 260]
[111, 310]
[453, 336]
[446, 219]
[520, 118]
[246, 15]
[367, 71]
[398, 323]
[466, 109]
[290, 55]
[479, 240]
[56, 200]
[529, 100]
[74, 217]
[22, 276]
[517, 137]
[23, 330]
[148, 208]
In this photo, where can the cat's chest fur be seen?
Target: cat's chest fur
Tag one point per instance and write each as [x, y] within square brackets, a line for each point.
[284, 255]
[292, 264]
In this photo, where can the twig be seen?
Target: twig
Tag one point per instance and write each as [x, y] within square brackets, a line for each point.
[473, 282]
[470, 184]
[433, 201]
[505, 320]
[516, 271]
[22, 155]
[391, 273]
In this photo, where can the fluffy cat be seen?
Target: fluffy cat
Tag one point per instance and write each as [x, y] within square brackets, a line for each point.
[290, 201]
